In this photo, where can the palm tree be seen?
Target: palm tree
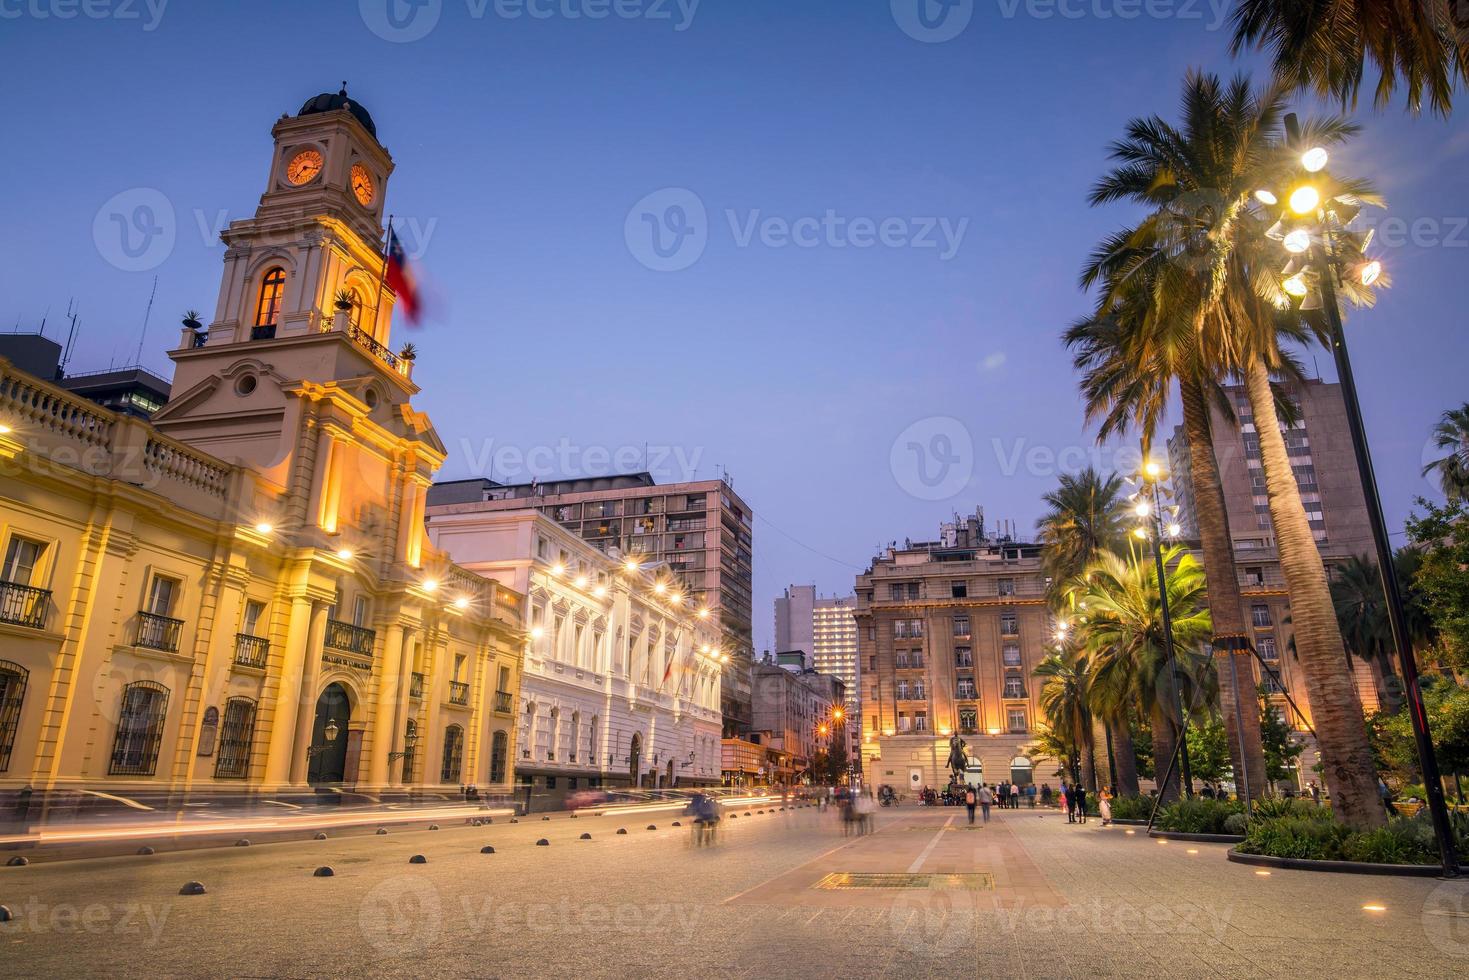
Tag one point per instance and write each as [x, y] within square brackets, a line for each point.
[1063, 698]
[1323, 45]
[1122, 630]
[1203, 242]
[1452, 433]
[1361, 610]
[1086, 517]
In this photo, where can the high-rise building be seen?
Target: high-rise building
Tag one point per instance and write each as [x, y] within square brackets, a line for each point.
[134, 391]
[826, 628]
[702, 530]
[1319, 445]
[792, 715]
[949, 634]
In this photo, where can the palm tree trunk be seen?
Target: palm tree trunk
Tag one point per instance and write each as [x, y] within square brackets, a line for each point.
[1237, 701]
[1335, 708]
[1163, 745]
[1124, 757]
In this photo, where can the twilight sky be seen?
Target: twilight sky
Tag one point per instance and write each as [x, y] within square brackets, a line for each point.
[825, 245]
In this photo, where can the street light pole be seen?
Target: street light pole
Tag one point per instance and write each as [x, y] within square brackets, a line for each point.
[1173, 687]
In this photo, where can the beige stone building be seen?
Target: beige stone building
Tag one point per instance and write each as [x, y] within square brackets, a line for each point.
[949, 633]
[240, 596]
[621, 682]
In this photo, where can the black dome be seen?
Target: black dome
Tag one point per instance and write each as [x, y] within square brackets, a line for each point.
[332, 101]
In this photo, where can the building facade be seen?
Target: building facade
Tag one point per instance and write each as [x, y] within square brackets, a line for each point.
[240, 597]
[825, 627]
[1319, 444]
[949, 633]
[702, 531]
[793, 717]
[621, 677]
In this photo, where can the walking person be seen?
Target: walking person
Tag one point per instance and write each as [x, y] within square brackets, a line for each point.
[985, 799]
[1030, 796]
[969, 801]
[1080, 793]
[1066, 804]
[1046, 795]
[1014, 796]
[1104, 804]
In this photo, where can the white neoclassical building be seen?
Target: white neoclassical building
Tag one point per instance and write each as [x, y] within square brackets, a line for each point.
[620, 681]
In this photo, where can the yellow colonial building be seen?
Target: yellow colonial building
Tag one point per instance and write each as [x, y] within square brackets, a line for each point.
[240, 596]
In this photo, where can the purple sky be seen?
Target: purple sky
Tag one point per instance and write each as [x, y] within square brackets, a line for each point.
[942, 185]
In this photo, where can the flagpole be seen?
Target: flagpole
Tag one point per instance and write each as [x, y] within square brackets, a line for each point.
[382, 277]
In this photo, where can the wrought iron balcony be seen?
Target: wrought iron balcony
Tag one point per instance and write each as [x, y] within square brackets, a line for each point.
[415, 685]
[502, 701]
[158, 632]
[349, 638]
[251, 651]
[266, 332]
[458, 692]
[24, 605]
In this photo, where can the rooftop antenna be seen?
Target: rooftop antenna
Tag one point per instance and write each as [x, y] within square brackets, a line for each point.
[43, 320]
[146, 314]
[73, 313]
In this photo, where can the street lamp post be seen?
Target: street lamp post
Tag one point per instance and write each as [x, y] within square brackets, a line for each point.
[1322, 257]
[1152, 474]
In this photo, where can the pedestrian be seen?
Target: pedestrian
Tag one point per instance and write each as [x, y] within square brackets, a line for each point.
[969, 801]
[1014, 796]
[1046, 794]
[985, 798]
[1315, 793]
[1080, 803]
[1104, 804]
[1030, 795]
[1066, 804]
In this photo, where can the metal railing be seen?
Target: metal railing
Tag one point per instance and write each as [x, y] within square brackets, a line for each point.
[458, 692]
[24, 605]
[349, 638]
[251, 651]
[374, 348]
[502, 701]
[415, 685]
[266, 332]
[158, 632]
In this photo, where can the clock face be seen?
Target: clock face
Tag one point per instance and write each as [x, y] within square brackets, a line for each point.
[304, 167]
[362, 184]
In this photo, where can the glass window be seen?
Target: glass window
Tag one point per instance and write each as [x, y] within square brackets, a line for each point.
[233, 761]
[1014, 686]
[1009, 624]
[453, 755]
[1260, 615]
[161, 595]
[963, 657]
[1266, 647]
[1006, 586]
[272, 289]
[968, 720]
[959, 590]
[964, 688]
[1016, 718]
[22, 556]
[12, 697]
[961, 624]
[1010, 654]
[139, 729]
[253, 612]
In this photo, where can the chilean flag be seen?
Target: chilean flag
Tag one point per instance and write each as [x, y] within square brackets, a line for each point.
[400, 280]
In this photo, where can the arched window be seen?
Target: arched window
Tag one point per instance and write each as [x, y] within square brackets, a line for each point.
[498, 748]
[139, 729]
[12, 696]
[453, 754]
[355, 314]
[1021, 770]
[235, 736]
[268, 311]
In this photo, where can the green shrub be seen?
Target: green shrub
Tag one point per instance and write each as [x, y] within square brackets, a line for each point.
[1275, 807]
[1236, 823]
[1197, 816]
[1400, 842]
[1131, 808]
[1296, 837]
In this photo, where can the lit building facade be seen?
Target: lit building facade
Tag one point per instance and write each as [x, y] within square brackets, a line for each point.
[949, 634]
[621, 674]
[702, 530]
[826, 628]
[239, 596]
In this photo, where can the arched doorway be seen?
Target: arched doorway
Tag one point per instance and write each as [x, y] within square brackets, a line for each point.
[635, 760]
[1021, 771]
[328, 763]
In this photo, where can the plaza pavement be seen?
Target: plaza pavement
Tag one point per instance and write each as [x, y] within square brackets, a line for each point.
[1065, 901]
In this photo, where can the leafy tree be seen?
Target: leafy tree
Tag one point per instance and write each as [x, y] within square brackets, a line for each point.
[1391, 733]
[1442, 538]
[1280, 750]
[1452, 434]
[1324, 45]
[1086, 516]
[1208, 749]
